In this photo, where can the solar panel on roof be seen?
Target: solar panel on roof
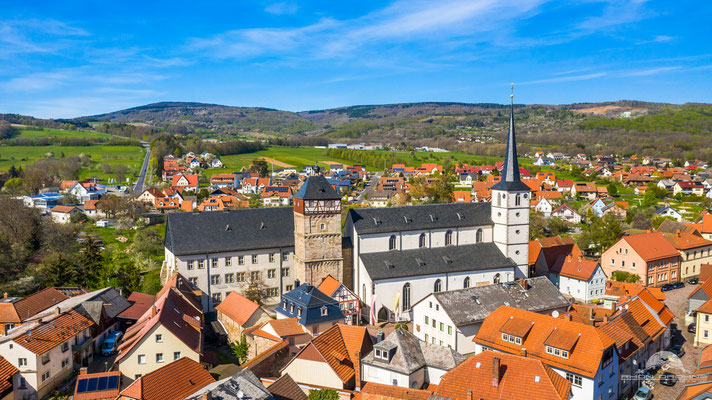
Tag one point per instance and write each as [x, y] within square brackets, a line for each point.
[102, 383]
[92, 384]
[82, 386]
[113, 382]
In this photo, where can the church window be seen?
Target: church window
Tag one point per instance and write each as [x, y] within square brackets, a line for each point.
[392, 242]
[466, 284]
[421, 241]
[406, 296]
[438, 286]
[448, 238]
[478, 236]
[518, 200]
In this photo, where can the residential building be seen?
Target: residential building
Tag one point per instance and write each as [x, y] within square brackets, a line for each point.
[264, 336]
[173, 381]
[185, 182]
[237, 313]
[139, 304]
[401, 359]
[544, 252]
[313, 309]
[584, 189]
[63, 214]
[648, 255]
[276, 196]
[349, 303]
[14, 311]
[97, 386]
[9, 379]
[699, 296]
[688, 188]
[332, 359]
[224, 180]
[171, 329]
[453, 318]
[567, 213]
[544, 206]
[703, 320]
[667, 211]
[242, 385]
[47, 351]
[378, 391]
[492, 375]
[694, 251]
[579, 352]
[578, 277]
[285, 388]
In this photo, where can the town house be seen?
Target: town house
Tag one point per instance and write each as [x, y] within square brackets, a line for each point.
[649, 255]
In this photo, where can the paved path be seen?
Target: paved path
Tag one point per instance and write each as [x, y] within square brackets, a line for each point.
[371, 185]
[138, 188]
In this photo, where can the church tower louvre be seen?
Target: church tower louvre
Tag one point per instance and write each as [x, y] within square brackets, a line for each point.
[510, 207]
[317, 232]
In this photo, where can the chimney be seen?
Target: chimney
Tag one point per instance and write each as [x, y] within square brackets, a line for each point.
[524, 284]
[613, 306]
[524, 352]
[296, 283]
[677, 233]
[605, 318]
[83, 371]
[648, 231]
[380, 337]
[580, 257]
[568, 317]
[469, 395]
[4, 295]
[153, 311]
[57, 311]
[495, 372]
[569, 258]
[207, 396]
[591, 314]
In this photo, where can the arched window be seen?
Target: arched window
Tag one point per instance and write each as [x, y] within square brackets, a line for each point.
[448, 238]
[466, 284]
[406, 296]
[518, 200]
[392, 243]
[421, 241]
[496, 278]
[438, 286]
[478, 236]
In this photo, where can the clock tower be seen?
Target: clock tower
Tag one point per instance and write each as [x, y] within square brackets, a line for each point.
[317, 232]
[510, 207]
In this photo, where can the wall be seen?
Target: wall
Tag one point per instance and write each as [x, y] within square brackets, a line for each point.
[692, 259]
[511, 227]
[373, 373]
[704, 325]
[129, 365]
[430, 307]
[313, 373]
[622, 257]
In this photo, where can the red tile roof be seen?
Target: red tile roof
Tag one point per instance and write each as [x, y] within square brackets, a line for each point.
[31, 305]
[7, 371]
[553, 248]
[238, 308]
[140, 302]
[651, 246]
[378, 391]
[687, 241]
[286, 327]
[517, 378]
[54, 332]
[628, 289]
[574, 267]
[175, 381]
[109, 394]
[584, 359]
[329, 285]
[63, 209]
[191, 178]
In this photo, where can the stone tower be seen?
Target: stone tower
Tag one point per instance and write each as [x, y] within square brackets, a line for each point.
[510, 208]
[317, 232]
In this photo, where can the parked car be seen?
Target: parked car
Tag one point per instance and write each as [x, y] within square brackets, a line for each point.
[692, 328]
[668, 379]
[666, 287]
[678, 285]
[643, 394]
[692, 281]
[678, 350]
[111, 343]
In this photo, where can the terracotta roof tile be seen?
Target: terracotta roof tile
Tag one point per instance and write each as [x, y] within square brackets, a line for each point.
[31, 305]
[286, 327]
[378, 391]
[329, 285]
[285, 388]
[651, 246]
[686, 241]
[628, 289]
[54, 332]
[705, 272]
[140, 303]
[175, 381]
[238, 308]
[7, 371]
[574, 267]
[62, 209]
[519, 378]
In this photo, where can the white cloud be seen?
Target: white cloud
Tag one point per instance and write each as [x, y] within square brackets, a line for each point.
[281, 8]
[651, 71]
[565, 79]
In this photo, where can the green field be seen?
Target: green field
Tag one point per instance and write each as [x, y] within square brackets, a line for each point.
[130, 156]
[30, 133]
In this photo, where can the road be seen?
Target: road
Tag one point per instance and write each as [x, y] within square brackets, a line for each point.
[371, 185]
[138, 188]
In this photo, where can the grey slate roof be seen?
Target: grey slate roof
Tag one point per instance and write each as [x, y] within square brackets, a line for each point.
[510, 171]
[233, 230]
[317, 188]
[90, 304]
[435, 260]
[428, 216]
[310, 300]
[474, 304]
[242, 386]
[285, 388]
[408, 354]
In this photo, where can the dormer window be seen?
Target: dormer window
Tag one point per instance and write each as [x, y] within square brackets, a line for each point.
[557, 352]
[324, 311]
[284, 304]
[291, 308]
[299, 312]
[381, 354]
[511, 338]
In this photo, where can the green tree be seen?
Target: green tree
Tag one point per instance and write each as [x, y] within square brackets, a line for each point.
[622, 276]
[128, 277]
[60, 271]
[612, 189]
[240, 349]
[323, 394]
[90, 265]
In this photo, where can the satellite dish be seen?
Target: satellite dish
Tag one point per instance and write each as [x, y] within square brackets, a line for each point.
[555, 314]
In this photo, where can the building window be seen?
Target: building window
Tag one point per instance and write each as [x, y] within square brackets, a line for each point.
[478, 236]
[449, 330]
[45, 376]
[176, 355]
[159, 357]
[518, 200]
[189, 264]
[288, 288]
[193, 281]
[442, 327]
[229, 278]
[299, 312]
[159, 338]
[427, 337]
[65, 347]
[406, 296]
[23, 383]
[214, 263]
[291, 308]
[324, 311]
[240, 277]
[438, 286]
[255, 275]
[45, 358]
[272, 292]
[21, 362]
[271, 257]
[285, 256]
[201, 264]
[707, 318]
[466, 283]
[271, 273]
[214, 279]
[217, 297]
[228, 261]
[392, 243]
[574, 379]
[241, 260]
[285, 272]
[448, 238]
[496, 278]
[421, 240]
[254, 258]
[142, 359]
[427, 320]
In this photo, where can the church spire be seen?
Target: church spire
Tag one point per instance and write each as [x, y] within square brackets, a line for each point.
[510, 171]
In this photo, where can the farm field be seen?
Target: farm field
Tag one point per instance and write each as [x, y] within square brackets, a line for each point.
[131, 156]
[31, 133]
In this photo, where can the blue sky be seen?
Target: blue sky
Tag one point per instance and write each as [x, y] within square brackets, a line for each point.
[73, 58]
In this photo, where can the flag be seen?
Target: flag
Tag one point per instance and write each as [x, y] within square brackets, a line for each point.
[395, 306]
[373, 312]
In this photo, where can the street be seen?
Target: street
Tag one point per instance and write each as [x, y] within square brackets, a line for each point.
[138, 188]
[371, 185]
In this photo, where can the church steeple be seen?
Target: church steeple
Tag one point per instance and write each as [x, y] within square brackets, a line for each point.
[510, 180]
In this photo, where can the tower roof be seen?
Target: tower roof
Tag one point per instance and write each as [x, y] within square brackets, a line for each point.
[317, 188]
[510, 171]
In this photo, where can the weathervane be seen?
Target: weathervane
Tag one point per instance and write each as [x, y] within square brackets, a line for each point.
[511, 96]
